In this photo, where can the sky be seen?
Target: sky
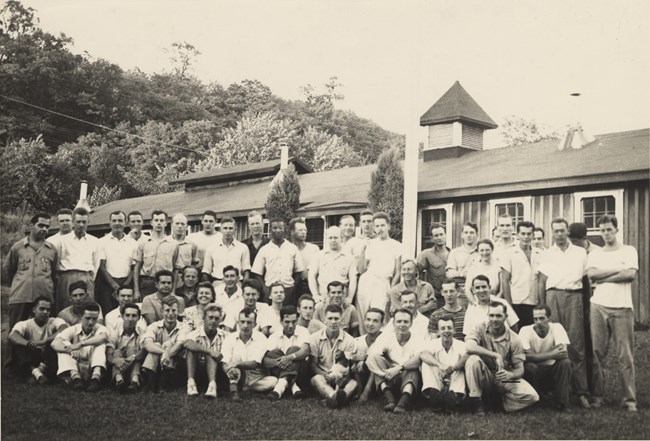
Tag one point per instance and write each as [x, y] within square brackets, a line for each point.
[394, 58]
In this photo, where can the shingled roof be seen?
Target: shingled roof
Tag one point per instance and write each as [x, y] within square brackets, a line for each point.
[457, 105]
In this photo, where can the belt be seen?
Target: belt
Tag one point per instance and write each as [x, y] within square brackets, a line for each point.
[565, 290]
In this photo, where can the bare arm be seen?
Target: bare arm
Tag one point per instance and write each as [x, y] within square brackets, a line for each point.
[136, 281]
[152, 347]
[559, 352]
[505, 278]
[428, 358]
[397, 272]
[623, 276]
[541, 287]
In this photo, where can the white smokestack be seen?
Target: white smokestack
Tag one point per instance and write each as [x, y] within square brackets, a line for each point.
[284, 156]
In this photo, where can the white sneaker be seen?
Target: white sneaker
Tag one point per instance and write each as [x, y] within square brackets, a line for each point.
[191, 390]
[212, 391]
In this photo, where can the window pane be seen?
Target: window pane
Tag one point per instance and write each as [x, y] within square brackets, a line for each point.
[514, 209]
[595, 207]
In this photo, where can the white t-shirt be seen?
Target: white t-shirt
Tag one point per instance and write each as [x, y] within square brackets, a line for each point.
[477, 314]
[381, 255]
[609, 294]
[447, 358]
[388, 346]
[30, 331]
[531, 341]
[278, 340]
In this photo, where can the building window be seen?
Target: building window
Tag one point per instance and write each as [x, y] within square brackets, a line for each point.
[435, 214]
[591, 205]
[518, 208]
[595, 207]
[514, 209]
[315, 230]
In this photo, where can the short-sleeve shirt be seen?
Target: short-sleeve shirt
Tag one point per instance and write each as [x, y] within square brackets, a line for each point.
[563, 269]
[446, 357]
[354, 246]
[418, 328]
[531, 341]
[523, 274]
[252, 250]
[118, 254]
[186, 253]
[159, 334]
[68, 316]
[114, 320]
[126, 344]
[32, 271]
[491, 271]
[278, 263]
[332, 266]
[74, 334]
[460, 259]
[199, 336]
[152, 304]
[388, 347]
[478, 314]
[308, 253]
[507, 345]
[265, 315]
[156, 255]
[278, 340]
[381, 256]
[457, 317]
[314, 326]
[610, 294]
[30, 331]
[324, 351]
[423, 289]
[204, 242]
[222, 299]
[235, 350]
[349, 319]
[222, 255]
[435, 264]
[79, 254]
[362, 344]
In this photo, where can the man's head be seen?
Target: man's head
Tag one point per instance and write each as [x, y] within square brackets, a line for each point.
[190, 276]
[78, 293]
[347, 224]
[179, 225]
[39, 225]
[365, 222]
[205, 293]
[227, 228]
[538, 237]
[505, 224]
[449, 291]
[578, 234]
[497, 315]
[402, 321]
[130, 313]
[298, 229]
[277, 229]
[276, 293]
[409, 300]
[481, 288]
[64, 220]
[469, 234]
[170, 310]
[381, 222]
[117, 220]
[496, 234]
[333, 314]
[251, 291]
[542, 318]
[484, 247]
[209, 221]
[333, 238]
[41, 308]
[212, 316]
[560, 228]
[89, 316]
[335, 292]
[438, 235]
[255, 223]
[80, 221]
[230, 276]
[136, 220]
[247, 321]
[409, 270]
[374, 320]
[608, 226]
[158, 221]
[289, 318]
[525, 232]
[306, 305]
[164, 282]
[124, 296]
[446, 328]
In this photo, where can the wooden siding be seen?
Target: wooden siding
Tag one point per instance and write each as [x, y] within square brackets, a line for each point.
[472, 136]
[440, 135]
[636, 204]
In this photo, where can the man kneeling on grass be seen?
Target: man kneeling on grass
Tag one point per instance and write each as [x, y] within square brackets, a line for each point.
[243, 353]
[31, 340]
[125, 351]
[394, 359]
[203, 354]
[287, 350]
[331, 350]
[163, 341]
[82, 349]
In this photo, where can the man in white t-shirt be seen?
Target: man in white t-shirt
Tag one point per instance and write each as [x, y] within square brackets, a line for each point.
[477, 314]
[612, 269]
[207, 238]
[547, 365]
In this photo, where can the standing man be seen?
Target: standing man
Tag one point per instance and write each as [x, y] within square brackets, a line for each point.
[155, 253]
[136, 222]
[380, 267]
[519, 273]
[115, 262]
[538, 238]
[354, 246]
[256, 239]
[206, 238]
[433, 262]
[452, 310]
[279, 261]
[298, 233]
[29, 267]
[227, 251]
[347, 224]
[186, 249]
[64, 221]
[612, 270]
[332, 264]
[79, 256]
[505, 224]
[560, 287]
[461, 257]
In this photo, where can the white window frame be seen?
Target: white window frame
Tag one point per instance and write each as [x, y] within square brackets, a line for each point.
[448, 228]
[526, 201]
[618, 195]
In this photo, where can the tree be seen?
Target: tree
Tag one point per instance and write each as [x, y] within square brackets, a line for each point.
[517, 131]
[283, 199]
[182, 55]
[387, 190]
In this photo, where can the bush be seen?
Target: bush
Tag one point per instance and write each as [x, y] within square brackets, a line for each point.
[387, 190]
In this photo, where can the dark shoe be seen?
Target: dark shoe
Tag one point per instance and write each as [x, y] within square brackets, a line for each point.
[167, 379]
[341, 398]
[78, 384]
[273, 396]
[403, 403]
[132, 388]
[121, 386]
[234, 396]
[331, 402]
[42, 380]
[479, 410]
[94, 385]
[299, 394]
[562, 408]
[389, 400]
[32, 381]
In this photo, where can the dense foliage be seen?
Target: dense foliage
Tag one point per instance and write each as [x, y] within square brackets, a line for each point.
[387, 190]
[283, 199]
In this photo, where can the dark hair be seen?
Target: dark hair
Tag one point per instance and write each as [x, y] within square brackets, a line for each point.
[41, 299]
[230, 268]
[37, 216]
[206, 285]
[81, 211]
[248, 311]
[115, 213]
[560, 220]
[333, 308]
[543, 307]
[378, 311]
[170, 300]
[436, 225]
[577, 230]
[276, 220]
[79, 284]
[64, 211]
[335, 283]
[408, 292]
[186, 267]
[381, 215]
[294, 221]
[228, 220]
[525, 224]
[539, 229]
[130, 305]
[133, 213]
[449, 280]
[404, 311]
[287, 310]
[482, 277]
[90, 306]
[472, 225]
[158, 212]
[253, 283]
[274, 284]
[485, 241]
[306, 297]
[209, 213]
[607, 219]
[499, 305]
[161, 273]
[366, 212]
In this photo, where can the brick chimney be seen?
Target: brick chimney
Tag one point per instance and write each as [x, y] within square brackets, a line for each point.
[456, 124]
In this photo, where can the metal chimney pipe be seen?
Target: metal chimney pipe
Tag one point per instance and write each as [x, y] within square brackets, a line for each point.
[284, 155]
[83, 191]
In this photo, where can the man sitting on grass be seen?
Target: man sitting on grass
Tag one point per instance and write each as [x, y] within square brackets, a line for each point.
[288, 348]
[31, 340]
[394, 359]
[124, 351]
[78, 294]
[203, 354]
[82, 349]
[361, 373]
[243, 353]
[330, 351]
[163, 341]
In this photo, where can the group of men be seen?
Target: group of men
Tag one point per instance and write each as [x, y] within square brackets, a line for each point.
[282, 317]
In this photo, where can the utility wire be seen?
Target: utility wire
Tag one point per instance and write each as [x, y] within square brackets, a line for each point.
[101, 126]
